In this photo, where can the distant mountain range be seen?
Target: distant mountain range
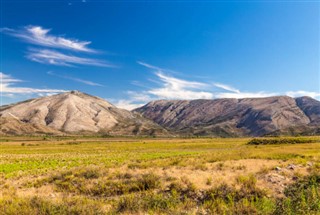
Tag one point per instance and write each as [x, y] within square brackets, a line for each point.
[79, 113]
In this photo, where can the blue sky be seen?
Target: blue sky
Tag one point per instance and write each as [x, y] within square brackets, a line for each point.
[132, 52]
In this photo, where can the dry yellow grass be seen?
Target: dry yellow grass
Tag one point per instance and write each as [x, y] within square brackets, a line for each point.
[106, 170]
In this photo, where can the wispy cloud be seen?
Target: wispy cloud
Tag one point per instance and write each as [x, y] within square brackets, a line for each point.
[226, 87]
[174, 88]
[149, 66]
[135, 100]
[47, 56]
[241, 95]
[169, 87]
[7, 79]
[8, 88]
[40, 36]
[91, 83]
[126, 104]
[303, 93]
[237, 94]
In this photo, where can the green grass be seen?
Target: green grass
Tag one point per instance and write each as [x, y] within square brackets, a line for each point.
[42, 156]
[91, 175]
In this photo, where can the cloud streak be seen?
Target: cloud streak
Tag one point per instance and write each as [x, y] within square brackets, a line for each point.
[126, 104]
[46, 56]
[40, 36]
[226, 87]
[91, 83]
[7, 86]
[303, 93]
[170, 87]
[149, 66]
[47, 52]
[241, 95]
[174, 88]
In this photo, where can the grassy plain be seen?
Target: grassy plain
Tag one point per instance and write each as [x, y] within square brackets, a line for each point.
[91, 175]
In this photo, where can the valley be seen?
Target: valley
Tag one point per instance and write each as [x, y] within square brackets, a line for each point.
[96, 175]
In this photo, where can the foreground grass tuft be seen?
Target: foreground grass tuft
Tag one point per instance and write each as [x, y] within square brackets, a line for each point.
[36, 205]
[302, 197]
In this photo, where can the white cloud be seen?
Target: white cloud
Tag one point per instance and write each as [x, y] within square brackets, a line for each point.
[8, 79]
[91, 83]
[173, 88]
[40, 36]
[303, 93]
[141, 97]
[127, 104]
[226, 87]
[177, 84]
[135, 100]
[170, 88]
[241, 95]
[149, 66]
[168, 93]
[9, 90]
[47, 56]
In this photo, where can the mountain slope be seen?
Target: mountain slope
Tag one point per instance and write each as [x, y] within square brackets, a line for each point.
[233, 117]
[13, 126]
[311, 108]
[76, 112]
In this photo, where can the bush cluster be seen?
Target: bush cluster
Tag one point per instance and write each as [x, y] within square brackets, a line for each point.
[269, 141]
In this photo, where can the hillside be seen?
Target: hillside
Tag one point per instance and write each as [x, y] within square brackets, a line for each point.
[236, 117]
[77, 113]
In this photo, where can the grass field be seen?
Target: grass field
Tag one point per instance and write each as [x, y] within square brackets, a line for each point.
[91, 175]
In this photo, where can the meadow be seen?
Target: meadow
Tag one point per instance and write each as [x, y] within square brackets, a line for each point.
[96, 175]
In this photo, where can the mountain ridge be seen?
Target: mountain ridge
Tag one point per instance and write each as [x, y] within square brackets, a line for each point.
[75, 112]
[239, 117]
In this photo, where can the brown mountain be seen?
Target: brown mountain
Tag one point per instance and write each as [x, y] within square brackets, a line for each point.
[236, 117]
[13, 126]
[73, 112]
[311, 108]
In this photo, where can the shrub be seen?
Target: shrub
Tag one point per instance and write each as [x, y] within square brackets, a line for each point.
[269, 141]
[37, 205]
[302, 197]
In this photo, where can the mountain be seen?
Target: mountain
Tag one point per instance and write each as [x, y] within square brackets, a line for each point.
[311, 108]
[13, 126]
[236, 117]
[76, 113]
[79, 113]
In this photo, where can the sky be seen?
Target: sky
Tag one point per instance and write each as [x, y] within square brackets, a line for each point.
[132, 52]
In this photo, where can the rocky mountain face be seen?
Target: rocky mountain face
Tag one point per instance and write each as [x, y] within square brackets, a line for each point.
[311, 108]
[79, 113]
[236, 117]
[13, 126]
[73, 112]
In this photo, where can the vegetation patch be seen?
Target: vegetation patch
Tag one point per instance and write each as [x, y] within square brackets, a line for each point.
[158, 176]
[302, 197]
[269, 141]
[35, 205]
[88, 183]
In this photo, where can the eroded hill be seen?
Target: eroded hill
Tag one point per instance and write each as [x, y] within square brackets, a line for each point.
[236, 117]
